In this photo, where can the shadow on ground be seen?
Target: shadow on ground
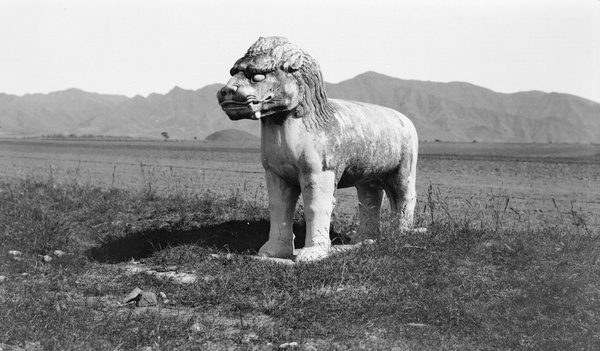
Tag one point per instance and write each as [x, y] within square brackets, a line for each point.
[233, 236]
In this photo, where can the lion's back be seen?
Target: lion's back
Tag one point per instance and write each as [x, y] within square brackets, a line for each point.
[374, 120]
[371, 140]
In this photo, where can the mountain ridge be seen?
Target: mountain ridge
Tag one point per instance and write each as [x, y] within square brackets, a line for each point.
[453, 111]
[459, 111]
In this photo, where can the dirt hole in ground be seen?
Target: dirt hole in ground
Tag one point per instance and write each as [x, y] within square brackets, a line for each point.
[232, 236]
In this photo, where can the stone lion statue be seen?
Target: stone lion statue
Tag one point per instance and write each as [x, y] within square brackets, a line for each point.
[312, 145]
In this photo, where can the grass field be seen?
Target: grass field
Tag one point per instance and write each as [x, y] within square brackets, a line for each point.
[510, 260]
[539, 180]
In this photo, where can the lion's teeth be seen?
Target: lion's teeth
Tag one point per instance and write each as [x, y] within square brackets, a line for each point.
[257, 115]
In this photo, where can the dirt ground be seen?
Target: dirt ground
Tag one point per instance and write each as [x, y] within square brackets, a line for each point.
[539, 180]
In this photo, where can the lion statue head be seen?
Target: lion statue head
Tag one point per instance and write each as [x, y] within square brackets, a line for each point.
[276, 78]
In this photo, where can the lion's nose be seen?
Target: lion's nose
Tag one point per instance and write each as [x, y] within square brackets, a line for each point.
[229, 90]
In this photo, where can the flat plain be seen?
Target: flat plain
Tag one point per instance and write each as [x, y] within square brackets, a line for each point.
[539, 180]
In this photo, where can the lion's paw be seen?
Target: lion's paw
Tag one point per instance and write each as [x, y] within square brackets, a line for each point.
[313, 253]
[276, 249]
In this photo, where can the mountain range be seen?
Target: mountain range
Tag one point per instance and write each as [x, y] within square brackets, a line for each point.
[453, 111]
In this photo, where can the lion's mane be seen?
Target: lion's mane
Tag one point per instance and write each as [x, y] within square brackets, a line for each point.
[272, 53]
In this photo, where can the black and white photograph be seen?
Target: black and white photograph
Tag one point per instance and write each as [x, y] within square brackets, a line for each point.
[406, 175]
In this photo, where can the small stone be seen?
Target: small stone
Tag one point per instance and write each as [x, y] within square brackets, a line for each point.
[489, 244]
[3, 279]
[134, 269]
[196, 327]
[58, 253]
[187, 279]
[247, 338]
[15, 253]
[46, 258]
[147, 299]
[132, 296]
[162, 295]
[288, 344]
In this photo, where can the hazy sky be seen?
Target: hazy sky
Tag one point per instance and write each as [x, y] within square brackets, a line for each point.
[140, 47]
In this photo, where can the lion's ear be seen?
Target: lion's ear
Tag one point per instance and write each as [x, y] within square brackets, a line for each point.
[293, 63]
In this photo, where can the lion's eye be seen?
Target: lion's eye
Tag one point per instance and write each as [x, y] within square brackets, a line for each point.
[258, 78]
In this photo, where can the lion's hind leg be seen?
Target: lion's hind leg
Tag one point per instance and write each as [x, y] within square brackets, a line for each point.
[370, 196]
[400, 188]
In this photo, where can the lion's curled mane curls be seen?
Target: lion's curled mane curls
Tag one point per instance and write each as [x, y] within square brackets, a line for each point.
[272, 53]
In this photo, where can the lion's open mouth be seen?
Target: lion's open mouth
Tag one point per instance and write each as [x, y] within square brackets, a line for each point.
[251, 106]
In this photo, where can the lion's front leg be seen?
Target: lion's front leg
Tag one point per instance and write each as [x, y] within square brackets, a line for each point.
[317, 193]
[282, 204]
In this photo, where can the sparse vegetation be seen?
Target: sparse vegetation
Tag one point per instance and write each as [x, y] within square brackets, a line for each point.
[481, 278]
